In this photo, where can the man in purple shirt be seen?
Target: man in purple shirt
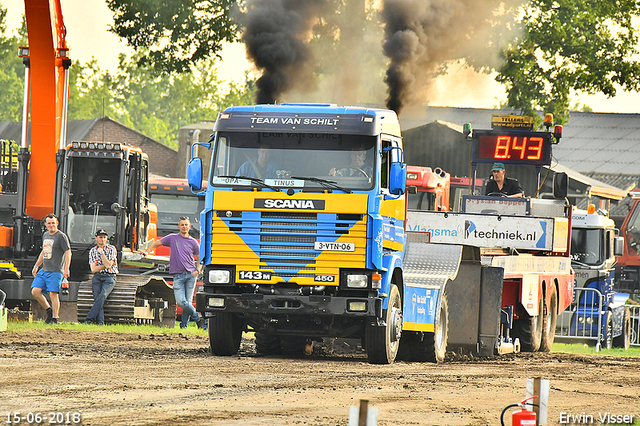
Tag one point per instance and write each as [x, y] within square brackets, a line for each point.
[185, 269]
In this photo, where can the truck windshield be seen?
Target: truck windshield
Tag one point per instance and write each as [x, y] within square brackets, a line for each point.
[305, 160]
[587, 246]
[172, 207]
[421, 201]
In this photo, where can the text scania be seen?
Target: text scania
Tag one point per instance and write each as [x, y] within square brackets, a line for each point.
[262, 203]
[505, 235]
[291, 121]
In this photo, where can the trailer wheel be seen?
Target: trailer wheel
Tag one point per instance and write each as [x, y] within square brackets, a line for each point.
[549, 323]
[225, 333]
[432, 347]
[624, 340]
[529, 330]
[382, 343]
[607, 338]
[267, 343]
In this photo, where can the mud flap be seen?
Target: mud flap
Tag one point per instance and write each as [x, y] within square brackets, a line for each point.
[475, 298]
[426, 270]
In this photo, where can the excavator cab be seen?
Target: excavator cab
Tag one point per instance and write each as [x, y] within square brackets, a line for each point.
[93, 188]
[103, 186]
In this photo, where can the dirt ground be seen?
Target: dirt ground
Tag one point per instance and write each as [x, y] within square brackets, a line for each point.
[131, 379]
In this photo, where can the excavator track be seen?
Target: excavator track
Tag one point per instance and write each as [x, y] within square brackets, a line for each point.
[135, 299]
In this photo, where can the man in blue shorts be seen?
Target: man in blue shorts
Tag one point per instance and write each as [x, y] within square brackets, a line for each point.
[55, 259]
[185, 269]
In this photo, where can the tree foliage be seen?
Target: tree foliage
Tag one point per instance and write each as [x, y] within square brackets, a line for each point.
[570, 45]
[178, 33]
[11, 71]
[154, 103]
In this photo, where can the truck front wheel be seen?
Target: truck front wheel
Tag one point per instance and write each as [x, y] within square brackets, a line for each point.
[529, 329]
[225, 333]
[382, 342]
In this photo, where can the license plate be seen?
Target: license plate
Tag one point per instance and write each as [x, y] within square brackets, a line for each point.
[254, 275]
[319, 245]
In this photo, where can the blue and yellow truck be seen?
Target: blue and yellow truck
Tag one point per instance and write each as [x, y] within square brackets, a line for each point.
[303, 238]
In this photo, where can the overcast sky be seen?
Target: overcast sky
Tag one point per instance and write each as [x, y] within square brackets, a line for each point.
[87, 22]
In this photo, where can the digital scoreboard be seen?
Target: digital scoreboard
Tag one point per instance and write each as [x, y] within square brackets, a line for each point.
[511, 142]
[512, 147]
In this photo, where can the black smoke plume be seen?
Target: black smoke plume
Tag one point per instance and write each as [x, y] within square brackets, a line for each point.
[422, 35]
[276, 34]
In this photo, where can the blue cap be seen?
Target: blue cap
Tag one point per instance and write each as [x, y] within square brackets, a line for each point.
[498, 166]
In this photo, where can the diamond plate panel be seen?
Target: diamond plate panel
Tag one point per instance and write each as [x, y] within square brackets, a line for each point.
[430, 265]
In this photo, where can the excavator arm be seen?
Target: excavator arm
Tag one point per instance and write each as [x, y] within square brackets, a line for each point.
[49, 64]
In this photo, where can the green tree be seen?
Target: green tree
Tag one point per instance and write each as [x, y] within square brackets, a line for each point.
[178, 33]
[566, 45]
[158, 104]
[90, 92]
[11, 71]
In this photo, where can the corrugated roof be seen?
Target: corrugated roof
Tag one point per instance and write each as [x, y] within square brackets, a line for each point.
[11, 130]
[627, 182]
[597, 188]
[77, 130]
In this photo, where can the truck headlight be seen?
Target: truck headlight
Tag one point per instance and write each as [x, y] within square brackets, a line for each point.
[219, 276]
[357, 306]
[216, 302]
[357, 281]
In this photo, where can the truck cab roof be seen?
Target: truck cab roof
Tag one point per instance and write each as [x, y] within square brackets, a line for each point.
[302, 118]
[583, 219]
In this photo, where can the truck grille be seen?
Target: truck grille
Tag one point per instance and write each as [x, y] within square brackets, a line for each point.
[283, 242]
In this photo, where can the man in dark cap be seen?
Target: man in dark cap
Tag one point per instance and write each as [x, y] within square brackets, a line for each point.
[502, 185]
[103, 260]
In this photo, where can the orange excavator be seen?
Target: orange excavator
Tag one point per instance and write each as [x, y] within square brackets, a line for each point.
[89, 185]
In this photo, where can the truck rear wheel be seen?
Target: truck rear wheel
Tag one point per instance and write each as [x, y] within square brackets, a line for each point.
[529, 330]
[382, 342]
[267, 343]
[293, 346]
[433, 346]
[549, 323]
[624, 340]
[225, 333]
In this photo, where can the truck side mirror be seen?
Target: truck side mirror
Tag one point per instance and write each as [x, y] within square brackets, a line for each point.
[194, 174]
[560, 185]
[398, 178]
[618, 246]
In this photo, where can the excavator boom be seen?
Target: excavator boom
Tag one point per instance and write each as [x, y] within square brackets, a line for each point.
[48, 66]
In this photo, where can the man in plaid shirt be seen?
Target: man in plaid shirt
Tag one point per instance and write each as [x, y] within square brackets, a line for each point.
[103, 260]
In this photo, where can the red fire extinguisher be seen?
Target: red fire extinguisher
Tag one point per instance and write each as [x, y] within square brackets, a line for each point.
[521, 418]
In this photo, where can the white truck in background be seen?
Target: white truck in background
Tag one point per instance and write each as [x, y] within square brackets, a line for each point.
[599, 313]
